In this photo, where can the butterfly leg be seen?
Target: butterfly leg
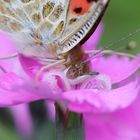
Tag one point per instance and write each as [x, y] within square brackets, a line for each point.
[9, 56]
[44, 68]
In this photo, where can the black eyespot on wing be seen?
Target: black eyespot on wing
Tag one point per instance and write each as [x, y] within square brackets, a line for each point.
[78, 10]
[92, 1]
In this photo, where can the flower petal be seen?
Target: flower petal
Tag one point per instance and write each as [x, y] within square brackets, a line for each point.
[8, 80]
[29, 65]
[119, 125]
[22, 119]
[19, 90]
[6, 45]
[7, 48]
[116, 68]
[101, 101]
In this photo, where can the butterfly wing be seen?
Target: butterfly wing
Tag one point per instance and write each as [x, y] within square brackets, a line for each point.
[81, 22]
[10, 21]
[33, 23]
[54, 14]
[45, 17]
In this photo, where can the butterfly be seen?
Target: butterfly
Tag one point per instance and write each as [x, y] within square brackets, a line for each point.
[52, 29]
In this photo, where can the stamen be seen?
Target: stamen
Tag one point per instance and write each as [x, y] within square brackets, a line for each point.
[36, 79]
[9, 56]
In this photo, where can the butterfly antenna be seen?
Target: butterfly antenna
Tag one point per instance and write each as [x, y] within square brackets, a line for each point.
[98, 52]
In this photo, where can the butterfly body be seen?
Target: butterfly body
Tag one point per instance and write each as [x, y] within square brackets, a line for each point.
[51, 29]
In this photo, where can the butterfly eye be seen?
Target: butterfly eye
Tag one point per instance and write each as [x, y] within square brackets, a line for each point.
[72, 72]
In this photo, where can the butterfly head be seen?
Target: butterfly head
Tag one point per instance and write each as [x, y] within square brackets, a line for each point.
[76, 70]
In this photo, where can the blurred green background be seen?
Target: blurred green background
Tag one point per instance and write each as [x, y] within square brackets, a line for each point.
[121, 18]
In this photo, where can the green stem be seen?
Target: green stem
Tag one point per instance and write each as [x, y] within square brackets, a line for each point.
[69, 126]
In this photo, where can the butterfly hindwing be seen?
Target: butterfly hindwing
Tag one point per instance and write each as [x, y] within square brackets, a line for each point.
[8, 18]
[54, 19]
[81, 22]
[44, 17]
[33, 24]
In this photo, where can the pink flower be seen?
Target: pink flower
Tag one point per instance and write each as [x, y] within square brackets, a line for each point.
[123, 124]
[23, 120]
[86, 95]
[106, 100]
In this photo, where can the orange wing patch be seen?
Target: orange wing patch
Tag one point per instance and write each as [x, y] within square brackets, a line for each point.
[80, 7]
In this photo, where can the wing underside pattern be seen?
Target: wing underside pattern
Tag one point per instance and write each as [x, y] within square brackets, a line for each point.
[33, 23]
[45, 18]
[79, 28]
